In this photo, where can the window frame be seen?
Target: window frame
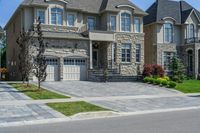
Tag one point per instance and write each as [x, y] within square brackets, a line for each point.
[172, 54]
[172, 32]
[37, 15]
[189, 30]
[126, 57]
[75, 19]
[115, 22]
[121, 26]
[138, 60]
[57, 18]
[94, 22]
[137, 18]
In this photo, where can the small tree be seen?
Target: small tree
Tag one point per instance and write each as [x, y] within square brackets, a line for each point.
[25, 56]
[40, 64]
[177, 70]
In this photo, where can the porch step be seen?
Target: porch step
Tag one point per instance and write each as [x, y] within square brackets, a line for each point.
[114, 78]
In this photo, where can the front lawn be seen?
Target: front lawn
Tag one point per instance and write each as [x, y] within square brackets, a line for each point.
[189, 86]
[33, 92]
[72, 108]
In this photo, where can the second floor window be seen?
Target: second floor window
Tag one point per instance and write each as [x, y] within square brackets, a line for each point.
[168, 33]
[126, 52]
[70, 19]
[91, 23]
[126, 22]
[138, 52]
[113, 23]
[57, 16]
[190, 31]
[41, 16]
[137, 25]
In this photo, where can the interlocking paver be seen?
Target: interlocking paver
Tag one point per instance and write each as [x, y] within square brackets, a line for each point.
[24, 112]
[93, 89]
[134, 105]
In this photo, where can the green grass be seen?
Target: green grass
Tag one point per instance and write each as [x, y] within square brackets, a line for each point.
[72, 108]
[189, 86]
[33, 92]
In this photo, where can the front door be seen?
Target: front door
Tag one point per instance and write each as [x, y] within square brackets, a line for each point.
[95, 58]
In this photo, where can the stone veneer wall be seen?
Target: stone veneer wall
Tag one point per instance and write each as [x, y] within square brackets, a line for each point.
[161, 48]
[129, 69]
[63, 48]
[184, 56]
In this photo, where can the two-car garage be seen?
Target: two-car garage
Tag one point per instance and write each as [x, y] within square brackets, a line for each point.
[73, 69]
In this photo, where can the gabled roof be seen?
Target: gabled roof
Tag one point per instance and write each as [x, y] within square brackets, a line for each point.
[178, 10]
[91, 6]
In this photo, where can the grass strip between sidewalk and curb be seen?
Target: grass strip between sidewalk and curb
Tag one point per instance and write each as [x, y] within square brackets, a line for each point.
[33, 92]
[189, 86]
[72, 108]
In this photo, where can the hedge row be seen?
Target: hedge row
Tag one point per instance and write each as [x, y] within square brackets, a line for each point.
[160, 81]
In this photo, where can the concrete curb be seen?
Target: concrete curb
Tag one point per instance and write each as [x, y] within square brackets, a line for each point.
[93, 115]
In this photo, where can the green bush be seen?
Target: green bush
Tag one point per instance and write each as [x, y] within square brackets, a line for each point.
[151, 80]
[172, 84]
[158, 81]
[146, 79]
[166, 78]
[164, 82]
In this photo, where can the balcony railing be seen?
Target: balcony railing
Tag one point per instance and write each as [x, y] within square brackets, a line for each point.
[95, 28]
[192, 40]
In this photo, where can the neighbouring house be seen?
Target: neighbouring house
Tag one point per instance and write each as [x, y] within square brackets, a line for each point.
[85, 38]
[173, 28]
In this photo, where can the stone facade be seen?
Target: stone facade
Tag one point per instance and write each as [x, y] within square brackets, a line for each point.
[64, 48]
[161, 48]
[132, 68]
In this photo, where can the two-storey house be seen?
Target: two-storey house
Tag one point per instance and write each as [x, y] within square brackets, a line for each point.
[84, 38]
[173, 28]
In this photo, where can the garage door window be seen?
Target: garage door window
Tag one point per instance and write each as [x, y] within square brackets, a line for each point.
[79, 62]
[52, 61]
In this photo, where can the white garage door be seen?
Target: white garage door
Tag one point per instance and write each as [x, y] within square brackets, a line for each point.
[74, 69]
[52, 70]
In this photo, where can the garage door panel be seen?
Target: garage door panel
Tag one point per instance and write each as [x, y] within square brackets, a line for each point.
[74, 69]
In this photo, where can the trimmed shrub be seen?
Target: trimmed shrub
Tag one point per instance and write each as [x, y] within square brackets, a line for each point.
[147, 71]
[158, 81]
[166, 78]
[158, 71]
[164, 82]
[151, 80]
[146, 79]
[172, 84]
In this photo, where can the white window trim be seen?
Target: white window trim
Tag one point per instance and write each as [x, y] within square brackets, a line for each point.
[188, 30]
[136, 53]
[95, 21]
[75, 18]
[36, 14]
[172, 32]
[115, 22]
[126, 62]
[120, 26]
[50, 15]
[139, 23]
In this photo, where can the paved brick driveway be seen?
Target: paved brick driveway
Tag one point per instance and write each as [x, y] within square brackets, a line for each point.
[128, 91]
[93, 89]
[24, 112]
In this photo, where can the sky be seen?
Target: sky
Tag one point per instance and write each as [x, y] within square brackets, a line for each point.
[7, 7]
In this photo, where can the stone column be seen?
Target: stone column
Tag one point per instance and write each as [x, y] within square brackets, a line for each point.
[91, 62]
[61, 63]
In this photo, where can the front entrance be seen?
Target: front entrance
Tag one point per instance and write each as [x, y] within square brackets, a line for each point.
[95, 58]
[74, 69]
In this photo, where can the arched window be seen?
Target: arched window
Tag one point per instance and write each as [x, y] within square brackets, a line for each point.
[126, 22]
[57, 16]
[168, 31]
[190, 61]
[191, 31]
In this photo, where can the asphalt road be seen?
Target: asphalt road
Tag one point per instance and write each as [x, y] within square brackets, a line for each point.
[170, 122]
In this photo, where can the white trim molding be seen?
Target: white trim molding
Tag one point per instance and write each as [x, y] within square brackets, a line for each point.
[126, 6]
